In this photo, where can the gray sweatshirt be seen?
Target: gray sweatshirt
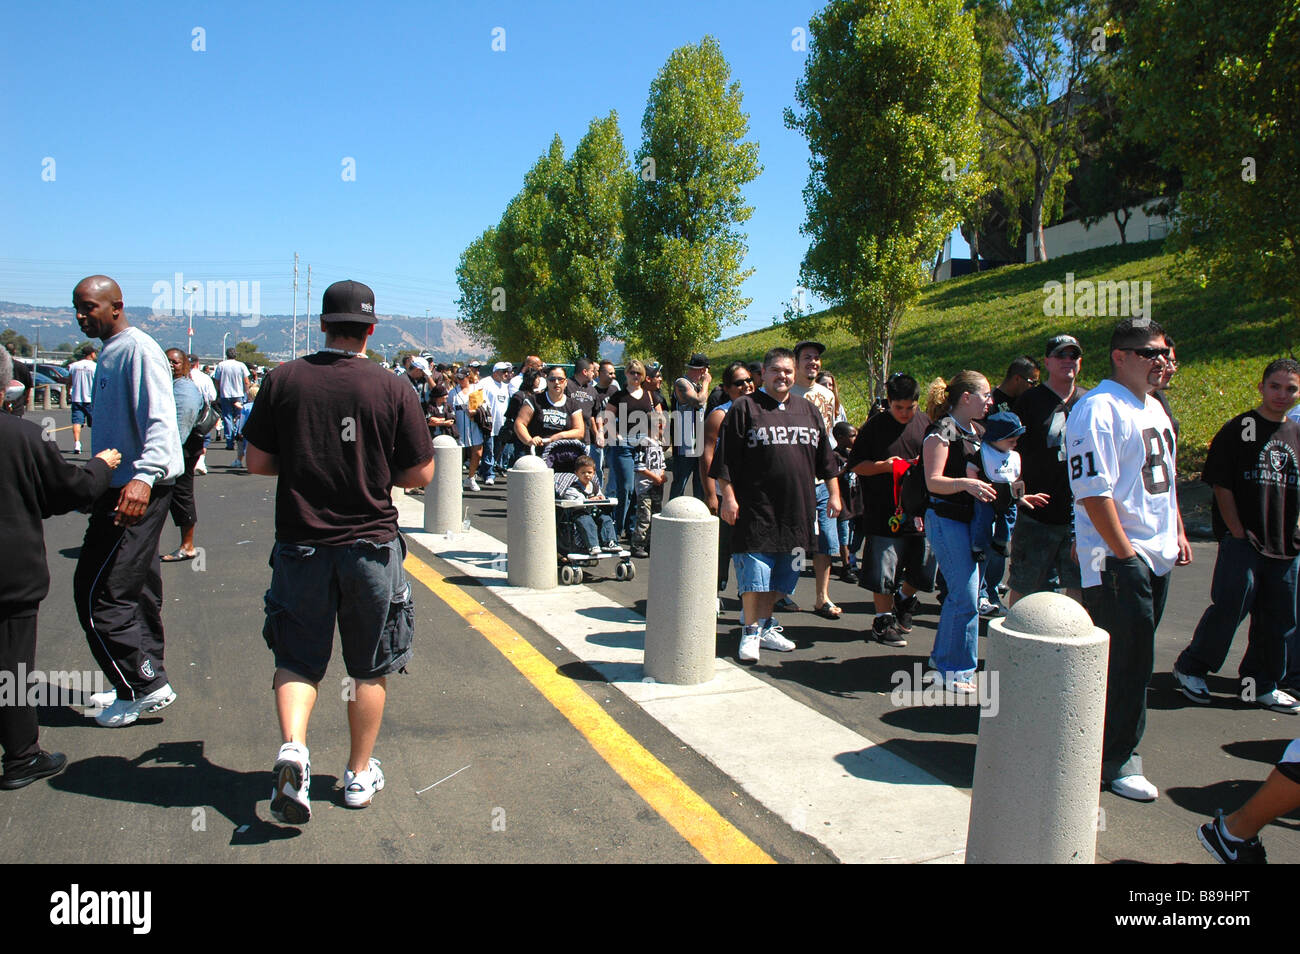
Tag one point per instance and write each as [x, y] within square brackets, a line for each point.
[135, 411]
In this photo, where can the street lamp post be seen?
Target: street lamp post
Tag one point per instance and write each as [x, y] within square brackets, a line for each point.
[191, 288]
[223, 343]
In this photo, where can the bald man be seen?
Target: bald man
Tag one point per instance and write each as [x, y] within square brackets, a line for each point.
[118, 583]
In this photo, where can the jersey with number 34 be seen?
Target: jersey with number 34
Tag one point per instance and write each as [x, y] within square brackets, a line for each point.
[1120, 447]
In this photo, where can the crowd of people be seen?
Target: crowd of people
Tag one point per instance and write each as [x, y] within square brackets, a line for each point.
[1071, 490]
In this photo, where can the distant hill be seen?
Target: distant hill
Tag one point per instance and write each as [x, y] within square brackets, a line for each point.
[272, 334]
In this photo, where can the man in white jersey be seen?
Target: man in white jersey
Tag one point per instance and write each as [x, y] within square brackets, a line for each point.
[1121, 453]
[81, 393]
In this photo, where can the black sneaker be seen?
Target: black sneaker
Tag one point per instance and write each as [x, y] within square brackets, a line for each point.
[849, 575]
[41, 765]
[1228, 852]
[904, 607]
[884, 629]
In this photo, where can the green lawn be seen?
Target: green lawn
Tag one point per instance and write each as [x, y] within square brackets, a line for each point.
[984, 321]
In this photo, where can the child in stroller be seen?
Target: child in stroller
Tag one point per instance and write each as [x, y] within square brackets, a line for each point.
[584, 529]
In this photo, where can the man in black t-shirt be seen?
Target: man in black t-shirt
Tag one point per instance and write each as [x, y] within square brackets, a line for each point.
[772, 447]
[898, 559]
[340, 433]
[1042, 542]
[1254, 467]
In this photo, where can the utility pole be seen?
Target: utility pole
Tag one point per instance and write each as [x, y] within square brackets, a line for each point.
[426, 329]
[294, 350]
[308, 308]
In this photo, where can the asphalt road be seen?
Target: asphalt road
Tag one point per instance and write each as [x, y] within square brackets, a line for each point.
[515, 781]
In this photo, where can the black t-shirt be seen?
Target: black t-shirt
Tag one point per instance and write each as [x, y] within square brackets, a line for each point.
[772, 454]
[1164, 403]
[629, 419]
[551, 418]
[1042, 452]
[341, 428]
[1258, 460]
[585, 395]
[1002, 401]
[881, 438]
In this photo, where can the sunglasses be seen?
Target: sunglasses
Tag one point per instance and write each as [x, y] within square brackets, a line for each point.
[557, 380]
[1149, 353]
[740, 381]
[1068, 355]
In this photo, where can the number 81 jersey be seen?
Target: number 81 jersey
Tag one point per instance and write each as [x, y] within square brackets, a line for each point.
[1120, 447]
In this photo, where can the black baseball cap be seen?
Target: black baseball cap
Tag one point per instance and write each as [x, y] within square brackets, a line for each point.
[348, 301]
[809, 344]
[1061, 342]
[698, 361]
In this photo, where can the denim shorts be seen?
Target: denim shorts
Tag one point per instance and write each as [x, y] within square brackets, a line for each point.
[81, 413]
[362, 585]
[765, 572]
[828, 530]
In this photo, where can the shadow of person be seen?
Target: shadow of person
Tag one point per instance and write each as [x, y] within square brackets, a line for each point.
[179, 775]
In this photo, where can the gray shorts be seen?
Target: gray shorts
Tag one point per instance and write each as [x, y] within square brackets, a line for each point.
[362, 585]
[1036, 549]
[889, 561]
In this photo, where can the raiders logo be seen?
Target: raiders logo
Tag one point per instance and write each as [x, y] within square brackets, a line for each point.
[1276, 459]
[147, 669]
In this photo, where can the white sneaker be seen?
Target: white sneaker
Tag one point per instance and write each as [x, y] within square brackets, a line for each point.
[76, 448]
[750, 640]
[359, 788]
[1193, 687]
[122, 713]
[290, 804]
[1279, 701]
[237, 463]
[491, 480]
[774, 638]
[1135, 787]
[102, 700]
[989, 609]
[471, 484]
[201, 465]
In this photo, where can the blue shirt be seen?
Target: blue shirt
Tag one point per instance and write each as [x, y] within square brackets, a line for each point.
[135, 410]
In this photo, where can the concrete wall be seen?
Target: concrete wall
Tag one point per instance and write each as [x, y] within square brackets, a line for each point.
[1069, 237]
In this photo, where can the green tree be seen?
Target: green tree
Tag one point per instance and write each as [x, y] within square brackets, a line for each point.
[584, 232]
[22, 347]
[482, 304]
[1037, 57]
[248, 353]
[680, 273]
[888, 100]
[1215, 87]
[374, 356]
[528, 324]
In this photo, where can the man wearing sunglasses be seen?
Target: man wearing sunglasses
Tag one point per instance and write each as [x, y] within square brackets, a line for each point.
[1121, 454]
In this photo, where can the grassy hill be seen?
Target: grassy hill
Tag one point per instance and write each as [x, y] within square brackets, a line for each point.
[984, 321]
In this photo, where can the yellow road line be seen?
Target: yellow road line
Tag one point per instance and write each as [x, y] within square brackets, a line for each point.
[694, 818]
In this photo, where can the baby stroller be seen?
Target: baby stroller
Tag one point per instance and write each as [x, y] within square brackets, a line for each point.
[561, 457]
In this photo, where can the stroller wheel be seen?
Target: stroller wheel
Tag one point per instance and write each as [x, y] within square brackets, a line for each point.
[577, 575]
[566, 575]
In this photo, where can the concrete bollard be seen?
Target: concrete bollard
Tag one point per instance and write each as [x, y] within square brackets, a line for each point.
[681, 620]
[1037, 781]
[443, 499]
[530, 525]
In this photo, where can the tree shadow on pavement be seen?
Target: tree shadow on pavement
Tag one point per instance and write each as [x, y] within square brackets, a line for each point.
[1230, 794]
[179, 775]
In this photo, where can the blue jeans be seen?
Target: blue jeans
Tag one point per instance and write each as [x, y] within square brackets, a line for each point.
[995, 565]
[487, 465]
[597, 453]
[228, 418]
[956, 645]
[595, 528]
[683, 467]
[1246, 583]
[622, 485]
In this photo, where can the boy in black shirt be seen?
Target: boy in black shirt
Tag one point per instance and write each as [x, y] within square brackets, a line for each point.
[1254, 467]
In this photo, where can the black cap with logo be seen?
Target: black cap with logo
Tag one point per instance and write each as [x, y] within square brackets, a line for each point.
[348, 301]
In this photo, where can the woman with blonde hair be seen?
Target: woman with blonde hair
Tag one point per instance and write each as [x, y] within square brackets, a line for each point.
[955, 408]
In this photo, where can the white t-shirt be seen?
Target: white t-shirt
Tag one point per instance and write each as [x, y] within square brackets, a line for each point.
[83, 381]
[230, 375]
[204, 384]
[497, 397]
[1121, 447]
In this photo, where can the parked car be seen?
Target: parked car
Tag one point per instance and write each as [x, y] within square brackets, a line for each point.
[59, 373]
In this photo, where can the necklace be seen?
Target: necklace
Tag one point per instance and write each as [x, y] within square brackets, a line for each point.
[350, 354]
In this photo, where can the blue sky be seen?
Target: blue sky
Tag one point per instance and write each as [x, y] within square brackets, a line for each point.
[221, 164]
